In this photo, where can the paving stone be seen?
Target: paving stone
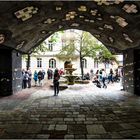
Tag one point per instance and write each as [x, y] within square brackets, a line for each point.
[93, 136]
[51, 127]
[79, 119]
[69, 137]
[33, 128]
[77, 129]
[43, 136]
[112, 127]
[127, 126]
[61, 127]
[79, 136]
[95, 129]
[68, 119]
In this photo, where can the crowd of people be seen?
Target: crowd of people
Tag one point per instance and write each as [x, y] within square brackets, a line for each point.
[101, 78]
[27, 78]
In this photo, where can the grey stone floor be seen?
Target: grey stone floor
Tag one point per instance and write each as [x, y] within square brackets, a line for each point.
[79, 112]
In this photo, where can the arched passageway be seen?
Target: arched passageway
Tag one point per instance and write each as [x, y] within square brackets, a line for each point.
[24, 25]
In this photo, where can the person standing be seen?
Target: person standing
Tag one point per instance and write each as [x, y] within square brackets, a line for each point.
[40, 76]
[29, 78]
[56, 82]
[35, 77]
[25, 79]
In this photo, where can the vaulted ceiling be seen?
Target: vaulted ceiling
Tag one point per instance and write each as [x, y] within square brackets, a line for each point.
[25, 24]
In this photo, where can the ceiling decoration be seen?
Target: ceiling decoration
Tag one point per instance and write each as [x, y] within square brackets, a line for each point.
[86, 20]
[99, 18]
[130, 8]
[92, 21]
[2, 38]
[26, 13]
[20, 45]
[81, 16]
[58, 8]
[100, 28]
[107, 19]
[121, 21]
[49, 21]
[75, 24]
[127, 38]
[71, 15]
[97, 35]
[111, 39]
[112, 17]
[108, 26]
[60, 26]
[43, 31]
[82, 8]
[94, 12]
[108, 2]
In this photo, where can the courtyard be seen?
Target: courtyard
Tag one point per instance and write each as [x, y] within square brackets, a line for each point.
[79, 112]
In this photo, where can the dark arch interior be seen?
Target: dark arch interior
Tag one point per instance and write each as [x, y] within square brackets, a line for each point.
[26, 24]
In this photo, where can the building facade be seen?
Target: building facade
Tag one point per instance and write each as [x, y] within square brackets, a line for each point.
[48, 59]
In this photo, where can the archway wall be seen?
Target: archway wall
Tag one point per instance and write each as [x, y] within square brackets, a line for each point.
[128, 81]
[10, 71]
[132, 71]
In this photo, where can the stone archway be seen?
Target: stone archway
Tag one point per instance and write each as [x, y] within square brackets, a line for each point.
[25, 24]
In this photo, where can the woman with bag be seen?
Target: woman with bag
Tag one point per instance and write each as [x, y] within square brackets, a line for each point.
[56, 82]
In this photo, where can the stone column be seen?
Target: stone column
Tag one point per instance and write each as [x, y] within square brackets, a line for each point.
[129, 70]
[10, 71]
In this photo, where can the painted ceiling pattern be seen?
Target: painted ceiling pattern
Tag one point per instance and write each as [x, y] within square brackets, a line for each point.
[114, 23]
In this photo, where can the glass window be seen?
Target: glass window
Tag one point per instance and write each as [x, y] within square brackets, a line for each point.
[52, 63]
[50, 46]
[39, 62]
[84, 63]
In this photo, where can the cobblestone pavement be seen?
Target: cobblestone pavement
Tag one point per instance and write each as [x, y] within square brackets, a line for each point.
[79, 112]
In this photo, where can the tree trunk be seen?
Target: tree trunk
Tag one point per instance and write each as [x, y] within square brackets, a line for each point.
[81, 66]
[28, 61]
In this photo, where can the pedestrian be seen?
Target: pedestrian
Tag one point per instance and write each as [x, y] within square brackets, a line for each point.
[29, 78]
[35, 77]
[40, 77]
[25, 79]
[104, 78]
[110, 77]
[56, 82]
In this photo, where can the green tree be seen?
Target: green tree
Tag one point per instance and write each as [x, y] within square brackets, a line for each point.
[88, 47]
[105, 56]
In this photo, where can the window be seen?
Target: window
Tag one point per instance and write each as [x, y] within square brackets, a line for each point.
[95, 63]
[39, 62]
[84, 63]
[52, 63]
[50, 46]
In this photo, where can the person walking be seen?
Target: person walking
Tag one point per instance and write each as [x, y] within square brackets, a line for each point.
[104, 78]
[110, 77]
[56, 82]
